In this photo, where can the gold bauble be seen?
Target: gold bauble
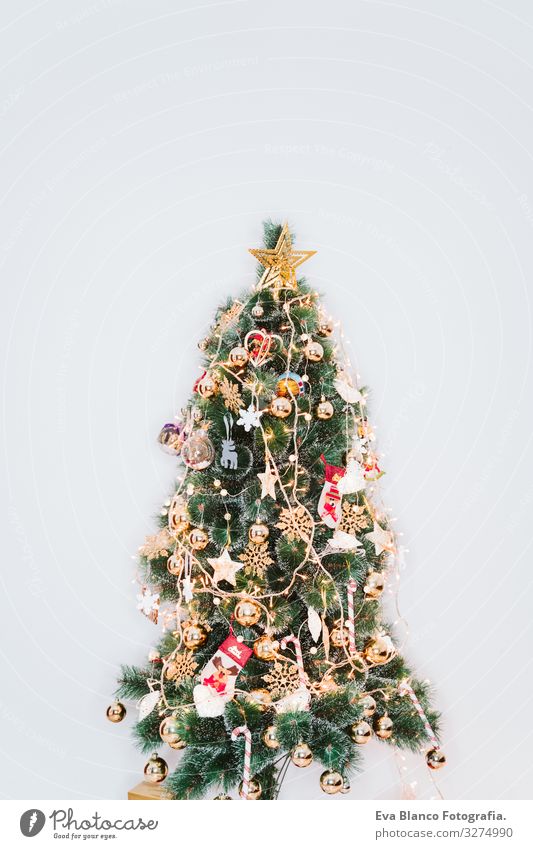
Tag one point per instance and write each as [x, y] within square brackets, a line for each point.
[324, 410]
[194, 635]
[198, 539]
[280, 407]
[175, 564]
[346, 786]
[325, 327]
[203, 343]
[156, 769]
[178, 518]
[197, 414]
[222, 797]
[374, 584]
[288, 386]
[383, 727]
[260, 697]
[314, 351]
[270, 737]
[197, 451]
[368, 704]
[116, 712]
[331, 782]
[302, 755]
[265, 647]
[206, 386]
[361, 732]
[238, 357]
[254, 789]
[258, 310]
[168, 731]
[435, 759]
[339, 636]
[258, 533]
[328, 684]
[379, 650]
[247, 612]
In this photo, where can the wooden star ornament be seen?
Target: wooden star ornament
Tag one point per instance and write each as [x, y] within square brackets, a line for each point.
[280, 263]
[224, 568]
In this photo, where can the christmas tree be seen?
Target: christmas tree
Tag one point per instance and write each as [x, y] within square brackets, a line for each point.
[269, 563]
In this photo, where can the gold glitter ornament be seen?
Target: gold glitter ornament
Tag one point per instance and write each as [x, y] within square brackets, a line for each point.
[361, 732]
[301, 755]
[231, 395]
[435, 759]
[156, 770]
[116, 712]
[256, 559]
[383, 727]
[280, 407]
[258, 533]
[296, 523]
[282, 678]
[374, 585]
[331, 782]
[247, 612]
[280, 263]
[198, 539]
[354, 518]
[270, 737]
[182, 664]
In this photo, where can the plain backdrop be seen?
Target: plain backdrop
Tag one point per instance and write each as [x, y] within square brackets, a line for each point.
[141, 146]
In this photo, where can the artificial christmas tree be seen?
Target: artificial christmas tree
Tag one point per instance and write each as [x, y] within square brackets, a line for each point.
[270, 561]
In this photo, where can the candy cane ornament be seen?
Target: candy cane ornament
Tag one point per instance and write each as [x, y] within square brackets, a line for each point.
[299, 657]
[247, 734]
[435, 758]
[351, 588]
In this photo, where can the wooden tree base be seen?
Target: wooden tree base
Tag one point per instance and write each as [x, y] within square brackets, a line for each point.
[150, 792]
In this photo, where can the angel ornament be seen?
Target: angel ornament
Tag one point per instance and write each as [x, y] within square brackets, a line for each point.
[229, 454]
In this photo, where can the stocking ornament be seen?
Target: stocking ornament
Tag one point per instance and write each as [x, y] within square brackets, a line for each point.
[219, 675]
[329, 504]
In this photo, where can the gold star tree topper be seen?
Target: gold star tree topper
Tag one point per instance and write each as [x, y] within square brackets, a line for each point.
[280, 263]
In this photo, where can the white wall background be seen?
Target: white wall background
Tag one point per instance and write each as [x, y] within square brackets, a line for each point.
[141, 145]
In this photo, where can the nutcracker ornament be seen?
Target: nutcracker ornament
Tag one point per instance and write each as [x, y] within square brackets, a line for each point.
[218, 677]
[329, 503]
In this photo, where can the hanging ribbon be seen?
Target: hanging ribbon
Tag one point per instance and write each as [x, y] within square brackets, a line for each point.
[246, 733]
